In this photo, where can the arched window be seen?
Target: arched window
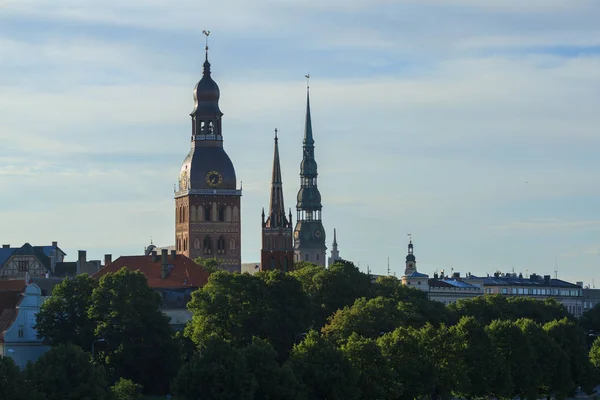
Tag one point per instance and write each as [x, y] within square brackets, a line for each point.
[236, 214]
[221, 245]
[232, 244]
[272, 263]
[197, 244]
[228, 214]
[286, 267]
[193, 216]
[184, 244]
[207, 213]
[222, 214]
[207, 245]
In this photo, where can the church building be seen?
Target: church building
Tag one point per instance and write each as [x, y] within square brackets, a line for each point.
[207, 199]
[277, 247]
[309, 234]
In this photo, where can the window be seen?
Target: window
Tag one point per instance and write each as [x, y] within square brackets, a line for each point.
[272, 263]
[306, 257]
[21, 331]
[504, 290]
[207, 213]
[207, 245]
[23, 265]
[221, 246]
[222, 214]
[317, 257]
[285, 264]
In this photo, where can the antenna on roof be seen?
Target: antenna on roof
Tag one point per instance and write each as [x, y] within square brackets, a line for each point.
[556, 268]
[388, 266]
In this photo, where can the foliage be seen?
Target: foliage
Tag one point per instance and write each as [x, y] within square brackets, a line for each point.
[210, 265]
[391, 287]
[12, 381]
[66, 372]
[376, 378]
[489, 308]
[63, 317]
[218, 371]
[269, 305]
[139, 342]
[595, 353]
[270, 379]
[322, 369]
[126, 389]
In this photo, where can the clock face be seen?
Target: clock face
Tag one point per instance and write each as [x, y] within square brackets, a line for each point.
[183, 180]
[214, 178]
[318, 233]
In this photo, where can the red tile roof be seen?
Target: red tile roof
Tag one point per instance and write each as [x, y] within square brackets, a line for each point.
[184, 272]
[12, 285]
[7, 318]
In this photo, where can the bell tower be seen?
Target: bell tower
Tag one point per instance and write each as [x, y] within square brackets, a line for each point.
[411, 262]
[309, 234]
[207, 200]
[277, 247]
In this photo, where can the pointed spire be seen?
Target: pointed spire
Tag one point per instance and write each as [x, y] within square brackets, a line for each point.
[206, 69]
[308, 135]
[277, 216]
[334, 237]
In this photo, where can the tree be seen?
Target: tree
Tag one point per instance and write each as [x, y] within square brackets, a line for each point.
[269, 305]
[126, 389]
[12, 381]
[63, 317]
[391, 287]
[367, 318]
[376, 379]
[323, 370]
[595, 353]
[217, 371]
[270, 380]
[210, 265]
[139, 343]
[65, 372]
[332, 289]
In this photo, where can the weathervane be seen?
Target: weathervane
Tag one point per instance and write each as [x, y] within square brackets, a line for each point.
[307, 76]
[409, 236]
[206, 33]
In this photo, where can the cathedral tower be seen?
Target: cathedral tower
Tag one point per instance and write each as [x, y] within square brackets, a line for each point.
[335, 254]
[277, 247]
[309, 234]
[207, 200]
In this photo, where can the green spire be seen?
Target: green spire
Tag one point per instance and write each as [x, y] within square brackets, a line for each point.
[308, 135]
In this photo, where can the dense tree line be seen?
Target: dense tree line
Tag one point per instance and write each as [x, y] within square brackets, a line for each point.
[313, 333]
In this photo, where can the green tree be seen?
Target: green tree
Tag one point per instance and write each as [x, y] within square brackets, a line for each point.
[139, 341]
[323, 370]
[391, 287]
[332, 289]
[270, 379]
[210, 265]
[408, 359]
[510, 341]
[126, 389]
[595, 353]
[269, 305]
[376, 379]
[570, 338]
[63, 317]
[368, 318]
[12, 381]
[485, 370]
[65, 372]
[217, 372]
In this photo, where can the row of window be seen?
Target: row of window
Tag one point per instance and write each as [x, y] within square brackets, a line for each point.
[272, 264]
[207, 245]
[538, 291]
[207, 213]
[306, 257]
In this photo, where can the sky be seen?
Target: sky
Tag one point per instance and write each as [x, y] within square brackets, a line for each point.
[471, 125]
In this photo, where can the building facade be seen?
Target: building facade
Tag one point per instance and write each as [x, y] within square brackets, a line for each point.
[207, 199]
[277, 241]
[309, 234]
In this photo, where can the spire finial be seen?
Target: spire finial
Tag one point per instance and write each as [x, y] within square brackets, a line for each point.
[206, 33]
[276, 133]
[307, 76]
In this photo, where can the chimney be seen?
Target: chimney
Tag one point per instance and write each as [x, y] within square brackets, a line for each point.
[580, 284]
[154, 257]
[6, 246]
[107, 259]
[165, 261]
[54, 244]
[81, 260]
[547, 280]
[173, 254]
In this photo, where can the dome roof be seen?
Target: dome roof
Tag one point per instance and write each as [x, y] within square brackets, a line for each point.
[410, 257]
[308, 166]
[206, 94]
[202, 160]
[309, 198]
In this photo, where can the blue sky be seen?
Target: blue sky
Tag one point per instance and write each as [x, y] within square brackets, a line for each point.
[473, 125]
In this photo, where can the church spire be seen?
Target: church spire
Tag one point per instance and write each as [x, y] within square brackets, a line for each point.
[308, 135]
[277, 216]
[334, 239]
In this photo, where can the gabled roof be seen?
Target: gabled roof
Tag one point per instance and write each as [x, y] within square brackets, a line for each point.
[183, 272]
[416, 274]
[7, 318]
[42, 253]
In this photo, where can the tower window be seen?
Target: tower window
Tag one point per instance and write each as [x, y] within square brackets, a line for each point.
[207, 245]
[207, 213]
[222, 214]
[286, 267]
[306, 257]
[221, 246]
[317, 257]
